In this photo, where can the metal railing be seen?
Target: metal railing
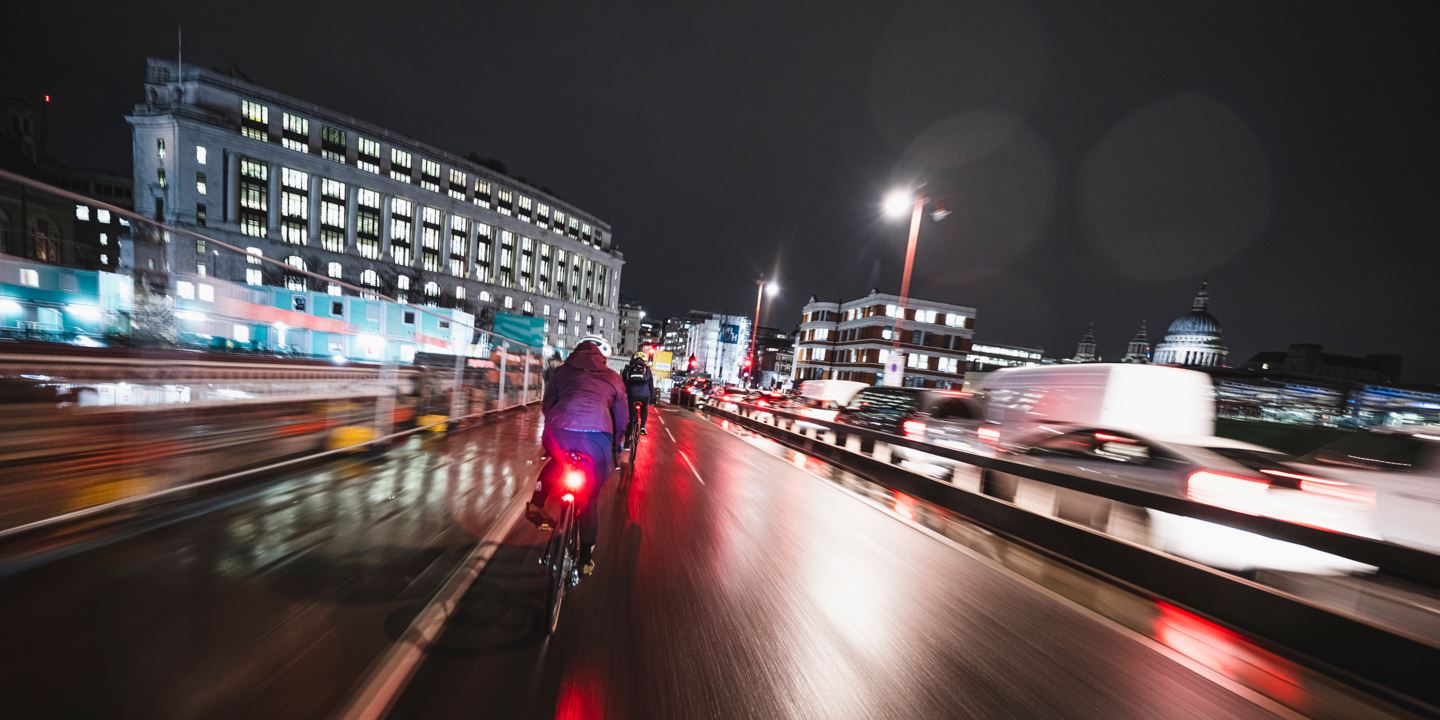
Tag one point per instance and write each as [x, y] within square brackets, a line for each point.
[1382, 660]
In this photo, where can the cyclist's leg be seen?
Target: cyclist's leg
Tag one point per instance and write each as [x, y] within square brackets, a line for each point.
[600, 447]
[644, 412]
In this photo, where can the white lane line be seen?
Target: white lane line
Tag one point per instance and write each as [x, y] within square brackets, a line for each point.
[692, 467]
[672, 435]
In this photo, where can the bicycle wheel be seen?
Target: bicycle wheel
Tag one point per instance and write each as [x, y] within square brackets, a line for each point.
[561, 564]
[634, 445]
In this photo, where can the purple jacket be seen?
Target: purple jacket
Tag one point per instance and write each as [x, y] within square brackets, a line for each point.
[585, 395]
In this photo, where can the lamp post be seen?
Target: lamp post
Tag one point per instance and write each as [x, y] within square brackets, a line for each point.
[896, 203]
[763, 287]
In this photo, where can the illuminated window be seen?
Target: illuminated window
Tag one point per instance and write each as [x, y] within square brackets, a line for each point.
[432, 292]
[367, 154]
[367, 223]
[82, 212]
[200, 154]
[29, 277]
[185, 289]
[255, 120]
[294, 206]
[295, 132]
[482, 193]
[507, 258]
[254, 274]
[430, 175]
[484, 239]
[505, 201]
[401, 224]
[201, 217]
[200, 185]
[484, 296]
[400, 163]
[104, 259]
[528, 308]
[457, 184]
[526, 207]
[160, 148]
[295, 281]
[332, 215]
[430, 239]
[460, 293]
[241, 333]
[102, 216]
[254, 197]
[370, 279]
[459, 242]
[160, 176]
[509, 303]
[332, 143]
[104, 239]
[559, 223]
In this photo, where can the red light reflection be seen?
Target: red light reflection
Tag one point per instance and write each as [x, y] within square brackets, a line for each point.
[1228, 653]
[904, 507]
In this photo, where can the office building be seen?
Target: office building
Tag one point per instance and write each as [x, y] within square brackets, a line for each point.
[319, 191]
[852, 340]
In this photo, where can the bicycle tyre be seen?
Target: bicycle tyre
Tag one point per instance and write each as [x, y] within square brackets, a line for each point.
[561, 564]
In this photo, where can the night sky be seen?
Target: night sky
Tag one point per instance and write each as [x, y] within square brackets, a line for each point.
[1099, 158]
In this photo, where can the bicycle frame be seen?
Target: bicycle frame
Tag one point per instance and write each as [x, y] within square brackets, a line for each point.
[562, 550]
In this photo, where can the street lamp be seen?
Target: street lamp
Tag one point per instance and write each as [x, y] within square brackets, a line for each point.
[763, 288]
[895, 205]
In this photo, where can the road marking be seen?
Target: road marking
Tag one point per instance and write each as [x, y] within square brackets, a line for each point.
[692, 467]
[672, 435]
[387, 678]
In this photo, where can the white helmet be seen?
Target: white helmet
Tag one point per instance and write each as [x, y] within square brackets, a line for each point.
[598, 341]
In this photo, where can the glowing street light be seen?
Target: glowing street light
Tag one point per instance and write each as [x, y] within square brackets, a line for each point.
[764, 288]
[895, 205]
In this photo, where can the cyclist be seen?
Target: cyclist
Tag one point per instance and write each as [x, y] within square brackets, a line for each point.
[640, 387]
[585, 409]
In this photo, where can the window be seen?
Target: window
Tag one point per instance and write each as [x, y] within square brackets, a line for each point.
[254, 274]
[102, 216]
[207, 292]
[408, 318]
[542, 215]
[528, 308]
[200, 154]
[954, 320]
[295, 281]
[401, 223]
[332, 143]
[432, 292]
[333, 270]
[295, 132]
[527, 207]
[200, 215]
[332, 215]
[255, 120]
[430, 175]
[185, 289]
[457, 184]
[482, 193]
[545, 310]
[160, 176]
[241, 333]
[367, 223]
[559, 224]
[200, 186]
[509, 303]
[367, 154]
[484, 237]
[400, 165]
[484, 296]
[254, 197]
[370, 279]
[507, 258]
[82, 212]
[402, 288]
[29, 277]
[459, 242]
[926, 316]
[337, 308]
[104, 239]
[430, 239]
[459, 293]
[505, 201]
[160, 148]
[294, 206]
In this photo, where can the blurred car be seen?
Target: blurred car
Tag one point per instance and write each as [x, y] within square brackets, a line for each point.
[1401, 467]
[1226, 473]
[944, 417]
[823, 399]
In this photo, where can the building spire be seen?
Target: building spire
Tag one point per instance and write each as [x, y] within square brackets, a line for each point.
[1202, 298]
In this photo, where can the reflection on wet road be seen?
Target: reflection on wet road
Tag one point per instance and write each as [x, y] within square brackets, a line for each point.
[273, 602]
[731, 583]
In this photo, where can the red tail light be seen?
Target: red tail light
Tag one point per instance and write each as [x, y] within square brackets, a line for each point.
[568, 497]
[1232, 492]
[913, 428]
[989, 435]
[1334, 489]
[574, 480]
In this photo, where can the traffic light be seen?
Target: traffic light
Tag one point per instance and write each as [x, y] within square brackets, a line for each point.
[745, 368]
[693, 363]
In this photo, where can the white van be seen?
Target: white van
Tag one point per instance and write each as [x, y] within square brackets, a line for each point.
[822, 399]
[1155, 400]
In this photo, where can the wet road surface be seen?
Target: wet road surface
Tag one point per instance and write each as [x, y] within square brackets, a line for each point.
[731, 584]
[268, 602]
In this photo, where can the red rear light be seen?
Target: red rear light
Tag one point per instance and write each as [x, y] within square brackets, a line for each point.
[989, 434]
[1107, 437]
[1334, 489]
[1232, 492]
[568, 497]
[574, 480]
[913, 428]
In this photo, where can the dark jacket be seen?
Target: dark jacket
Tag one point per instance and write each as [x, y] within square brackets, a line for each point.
[639, 381]
[585, 395]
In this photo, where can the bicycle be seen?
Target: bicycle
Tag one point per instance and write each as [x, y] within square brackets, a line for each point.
[632, 431]
[562, 550]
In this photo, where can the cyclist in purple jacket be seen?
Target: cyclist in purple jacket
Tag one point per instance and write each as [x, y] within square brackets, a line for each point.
[585, 410]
